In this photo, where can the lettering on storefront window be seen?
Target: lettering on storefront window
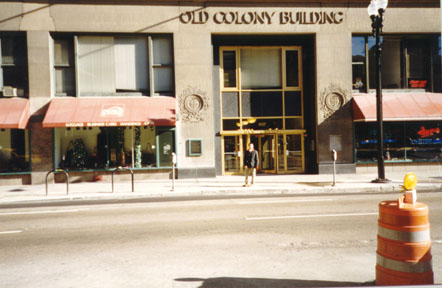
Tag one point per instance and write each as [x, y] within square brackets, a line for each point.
[262, 18]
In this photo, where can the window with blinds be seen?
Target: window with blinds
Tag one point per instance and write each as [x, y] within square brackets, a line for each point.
[90, 65]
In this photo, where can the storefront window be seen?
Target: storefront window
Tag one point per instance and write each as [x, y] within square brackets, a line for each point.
[14, 150]
[403, 141]
[113, 65]
[408, 62]
[110, 147]
[424, 142]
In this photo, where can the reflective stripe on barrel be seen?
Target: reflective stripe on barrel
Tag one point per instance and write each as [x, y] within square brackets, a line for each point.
[409, 267]
[404, 236]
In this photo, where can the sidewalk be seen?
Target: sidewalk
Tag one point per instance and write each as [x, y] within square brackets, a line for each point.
[219, 186]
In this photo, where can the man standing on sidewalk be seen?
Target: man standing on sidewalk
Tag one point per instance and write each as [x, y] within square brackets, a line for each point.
[251, 161]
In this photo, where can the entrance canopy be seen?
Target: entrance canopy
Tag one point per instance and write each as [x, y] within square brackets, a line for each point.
[14, 113]
[398, 107]
[110, 112]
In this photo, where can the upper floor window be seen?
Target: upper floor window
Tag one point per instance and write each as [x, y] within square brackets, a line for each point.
[113, 65]
[13, 65]
[408, 62]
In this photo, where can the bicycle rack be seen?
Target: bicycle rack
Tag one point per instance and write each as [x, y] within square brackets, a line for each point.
[58, 171]
[123, 168]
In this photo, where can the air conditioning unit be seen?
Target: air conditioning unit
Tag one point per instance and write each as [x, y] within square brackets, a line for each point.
[9, 91]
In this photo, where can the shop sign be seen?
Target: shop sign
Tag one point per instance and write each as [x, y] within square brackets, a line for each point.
[74, 124]
[426, 141]
[374, 141]
[101, 124]
[108, 110]
[108, 124]
[262, 18]
[425, 133]
[417, 83]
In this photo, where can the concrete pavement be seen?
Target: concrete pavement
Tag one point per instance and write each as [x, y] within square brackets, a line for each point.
[428, 181]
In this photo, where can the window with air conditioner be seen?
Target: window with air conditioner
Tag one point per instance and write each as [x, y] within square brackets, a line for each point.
[13, 65]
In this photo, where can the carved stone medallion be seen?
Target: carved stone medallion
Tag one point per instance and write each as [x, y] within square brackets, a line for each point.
[193, 104]
[332, 99]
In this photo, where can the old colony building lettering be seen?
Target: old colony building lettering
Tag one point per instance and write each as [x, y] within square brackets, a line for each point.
[261, 18]
[311, 18]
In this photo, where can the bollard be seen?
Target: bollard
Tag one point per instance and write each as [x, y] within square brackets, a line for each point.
[403, 255]
[123, 168]
[57, 171]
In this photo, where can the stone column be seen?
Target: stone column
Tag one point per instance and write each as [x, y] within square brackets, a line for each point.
[194, 91]
[334, 76]
[39, 63]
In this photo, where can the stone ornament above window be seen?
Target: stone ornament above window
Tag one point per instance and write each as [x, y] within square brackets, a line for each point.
[193, 104]
[332, 99]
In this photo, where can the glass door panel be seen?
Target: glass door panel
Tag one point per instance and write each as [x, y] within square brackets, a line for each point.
[231, 154]
[281, 154]
[166, 145]
[295, 152]
[267, 152]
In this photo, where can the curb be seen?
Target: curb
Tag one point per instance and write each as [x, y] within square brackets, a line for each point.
[187, 193]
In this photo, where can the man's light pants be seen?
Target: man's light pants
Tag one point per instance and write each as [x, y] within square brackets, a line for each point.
[248, 170]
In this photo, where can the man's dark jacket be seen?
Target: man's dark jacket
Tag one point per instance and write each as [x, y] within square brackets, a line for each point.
[251, 159]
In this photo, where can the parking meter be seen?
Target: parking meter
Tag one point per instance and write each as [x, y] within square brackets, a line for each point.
[334, 156]
[173, 158]
[173, 155]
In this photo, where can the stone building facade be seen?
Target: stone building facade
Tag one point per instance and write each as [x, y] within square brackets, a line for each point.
[218, 75]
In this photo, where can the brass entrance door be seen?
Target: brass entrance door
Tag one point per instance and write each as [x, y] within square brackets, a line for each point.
[278, 153]
[291, 153]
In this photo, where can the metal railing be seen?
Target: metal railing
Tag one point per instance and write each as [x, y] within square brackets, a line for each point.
[119, 169]
[58, 171]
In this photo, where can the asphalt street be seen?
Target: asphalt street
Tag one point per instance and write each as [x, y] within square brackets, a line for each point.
[251, 242]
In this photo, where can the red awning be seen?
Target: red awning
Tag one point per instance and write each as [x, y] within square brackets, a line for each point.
[14, 113]
[106, 111]
[398, 107]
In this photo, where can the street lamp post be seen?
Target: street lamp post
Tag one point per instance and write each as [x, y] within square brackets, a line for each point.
[376, 11]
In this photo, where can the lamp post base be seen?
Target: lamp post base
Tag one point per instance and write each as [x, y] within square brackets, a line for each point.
[381, 181]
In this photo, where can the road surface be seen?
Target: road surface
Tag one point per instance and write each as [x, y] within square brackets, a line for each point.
[251, 242]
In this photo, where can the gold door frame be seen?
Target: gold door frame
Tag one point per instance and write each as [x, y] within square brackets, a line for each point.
[241, 126]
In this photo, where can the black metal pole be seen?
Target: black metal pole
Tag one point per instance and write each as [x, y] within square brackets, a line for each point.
[377, 26]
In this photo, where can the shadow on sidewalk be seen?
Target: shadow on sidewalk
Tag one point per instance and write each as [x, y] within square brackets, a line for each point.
[226, 282]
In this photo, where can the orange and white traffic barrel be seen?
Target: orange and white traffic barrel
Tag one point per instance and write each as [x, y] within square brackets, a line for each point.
[404, 244]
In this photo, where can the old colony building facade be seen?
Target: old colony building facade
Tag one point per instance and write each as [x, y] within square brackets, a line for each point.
[88, 86]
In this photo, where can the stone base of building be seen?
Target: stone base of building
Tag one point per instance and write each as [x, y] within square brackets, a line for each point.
[17, 179]
[106, 176]
[400, 167]
[185, 173]
[341, 168]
